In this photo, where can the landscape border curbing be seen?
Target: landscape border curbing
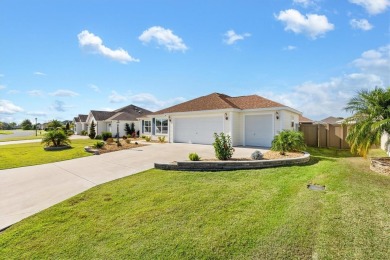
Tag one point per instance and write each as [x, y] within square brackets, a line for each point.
[57, 148]
[230, 165]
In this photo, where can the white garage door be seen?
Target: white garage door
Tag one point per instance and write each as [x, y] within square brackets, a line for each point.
[197, 130]
[258, 130]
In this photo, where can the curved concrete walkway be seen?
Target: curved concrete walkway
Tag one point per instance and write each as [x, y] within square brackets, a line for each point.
[27, 190]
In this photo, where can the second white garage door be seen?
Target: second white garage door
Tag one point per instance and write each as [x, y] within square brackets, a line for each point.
[258, 130]
[197, 130]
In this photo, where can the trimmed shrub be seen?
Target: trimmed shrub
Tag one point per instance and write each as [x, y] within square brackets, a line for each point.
[69, 132]
[257, 155]
[288, 141]
[98, 137]
[161, 139]
[84, 132]
[127, 129]
[124, 137]
[92, 131]
[106, 135]
[148, 138]
[98, 145]
[223, 146]
[194, 157]
[143, 136]
[110, 140]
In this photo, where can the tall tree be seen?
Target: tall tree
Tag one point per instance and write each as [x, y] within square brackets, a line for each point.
[26, 124]
[54, 124]
[371, 117]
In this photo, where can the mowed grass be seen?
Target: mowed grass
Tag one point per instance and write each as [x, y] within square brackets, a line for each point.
[252, 214]
[19, 155]
[6, 132]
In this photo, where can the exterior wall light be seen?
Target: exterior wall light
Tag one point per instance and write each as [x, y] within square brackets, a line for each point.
[277, 115]
[226, 116]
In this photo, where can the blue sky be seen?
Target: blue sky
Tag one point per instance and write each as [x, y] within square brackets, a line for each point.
[63, 58]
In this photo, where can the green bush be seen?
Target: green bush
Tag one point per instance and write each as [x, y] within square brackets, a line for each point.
[84, 132]
[194, 157]
[98, 145]
[69, 132]
[161, 139]
[98, 137]
[148, 138]
[288, 141]
[56, 137]
[223, 146]
[106, 135]
[124, 137]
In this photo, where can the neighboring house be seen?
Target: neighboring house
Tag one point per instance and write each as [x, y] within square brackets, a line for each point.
[249, 120]
[115, 121]
[80, 124]
[332, 120]
[385, 142]
[305, 120]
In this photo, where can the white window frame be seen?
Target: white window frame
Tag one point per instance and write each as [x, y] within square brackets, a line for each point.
[149, 126]
[159, 123]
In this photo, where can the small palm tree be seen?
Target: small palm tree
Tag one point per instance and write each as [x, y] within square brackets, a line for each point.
[370, 119]
[288, 141]
[56, 137]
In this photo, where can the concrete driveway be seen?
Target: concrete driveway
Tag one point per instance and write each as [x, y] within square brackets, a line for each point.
[28, 190]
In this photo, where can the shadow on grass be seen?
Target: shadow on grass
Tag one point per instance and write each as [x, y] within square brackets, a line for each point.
[326, 154]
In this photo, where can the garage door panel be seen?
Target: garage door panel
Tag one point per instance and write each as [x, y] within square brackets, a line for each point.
[197, 130]
[258, 130]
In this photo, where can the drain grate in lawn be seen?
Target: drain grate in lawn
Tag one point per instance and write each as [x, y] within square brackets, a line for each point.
[315, 187]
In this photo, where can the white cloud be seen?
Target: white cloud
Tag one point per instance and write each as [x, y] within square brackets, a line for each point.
[304, 3]
[313, 25]
[163, 37]
[2, 87]
[64, 93]
[376, 62]
[373, 6]
[116, 98]
[361, 24]
[231, 37]
[150, 102]
[7, 107]
[328, 98]
[39, 73]
[94, 87]
[13, 91]
[290, 48]
[37, 113]
[95, 44]
[35, 93]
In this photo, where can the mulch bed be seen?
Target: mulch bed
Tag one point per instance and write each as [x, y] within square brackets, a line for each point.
[270, 155]
[113, 147]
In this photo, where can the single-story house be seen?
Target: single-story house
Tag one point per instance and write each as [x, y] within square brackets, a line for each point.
[80, 124]
[249, 120]
[115, 121]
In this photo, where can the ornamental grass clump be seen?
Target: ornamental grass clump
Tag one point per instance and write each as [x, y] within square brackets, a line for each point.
[194, 157]
[223, 146]
[288, 141]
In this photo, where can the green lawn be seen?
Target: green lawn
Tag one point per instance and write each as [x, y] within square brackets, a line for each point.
[19, 155]
[253, 214]
[6, 132]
